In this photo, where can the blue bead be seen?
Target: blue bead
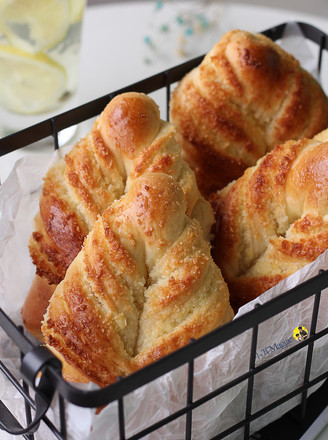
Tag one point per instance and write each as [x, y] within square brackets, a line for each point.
[147, 40]
[159, 5]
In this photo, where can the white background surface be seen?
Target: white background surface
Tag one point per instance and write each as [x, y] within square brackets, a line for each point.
[113, 45]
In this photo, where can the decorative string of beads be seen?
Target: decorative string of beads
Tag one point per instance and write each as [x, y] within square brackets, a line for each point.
[179, 29]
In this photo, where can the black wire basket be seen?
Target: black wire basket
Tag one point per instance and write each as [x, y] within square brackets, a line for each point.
[41, 371]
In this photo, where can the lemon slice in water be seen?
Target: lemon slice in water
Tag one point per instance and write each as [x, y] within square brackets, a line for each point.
[29, 84]
[76, 10]
[34, 25]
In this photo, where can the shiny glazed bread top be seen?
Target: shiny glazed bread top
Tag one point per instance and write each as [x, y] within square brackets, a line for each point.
[127, 140]
[143, 284]
[245, 97]
[273, 220]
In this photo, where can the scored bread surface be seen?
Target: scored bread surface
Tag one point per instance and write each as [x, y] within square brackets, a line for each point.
[143, 284]
[127, 140]
[246, 96]
[273, 220]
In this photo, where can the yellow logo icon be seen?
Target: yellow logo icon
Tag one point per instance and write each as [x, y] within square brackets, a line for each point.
[300, 333]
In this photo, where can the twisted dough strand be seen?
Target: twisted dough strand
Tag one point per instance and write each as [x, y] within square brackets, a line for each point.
[143, 284]
[127, 140]
[245, 97]
[273, 220]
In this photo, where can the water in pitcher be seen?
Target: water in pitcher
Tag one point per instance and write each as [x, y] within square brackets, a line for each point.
[39, 52]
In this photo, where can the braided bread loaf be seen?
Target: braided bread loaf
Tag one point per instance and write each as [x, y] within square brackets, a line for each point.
[273, 220]
[246, 96]
[127, 140]
[143, 284]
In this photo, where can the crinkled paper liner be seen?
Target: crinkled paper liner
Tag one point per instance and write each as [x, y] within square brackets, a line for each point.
[18, 205]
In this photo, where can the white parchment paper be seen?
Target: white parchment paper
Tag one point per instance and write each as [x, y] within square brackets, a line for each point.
[18, 205]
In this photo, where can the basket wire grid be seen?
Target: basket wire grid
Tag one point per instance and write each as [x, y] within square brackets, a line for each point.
[37, 361]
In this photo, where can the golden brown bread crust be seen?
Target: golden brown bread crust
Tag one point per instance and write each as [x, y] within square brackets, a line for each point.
[35, 304]
[127, 140]
[246, 96]
[273, 220]
[143, 284]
